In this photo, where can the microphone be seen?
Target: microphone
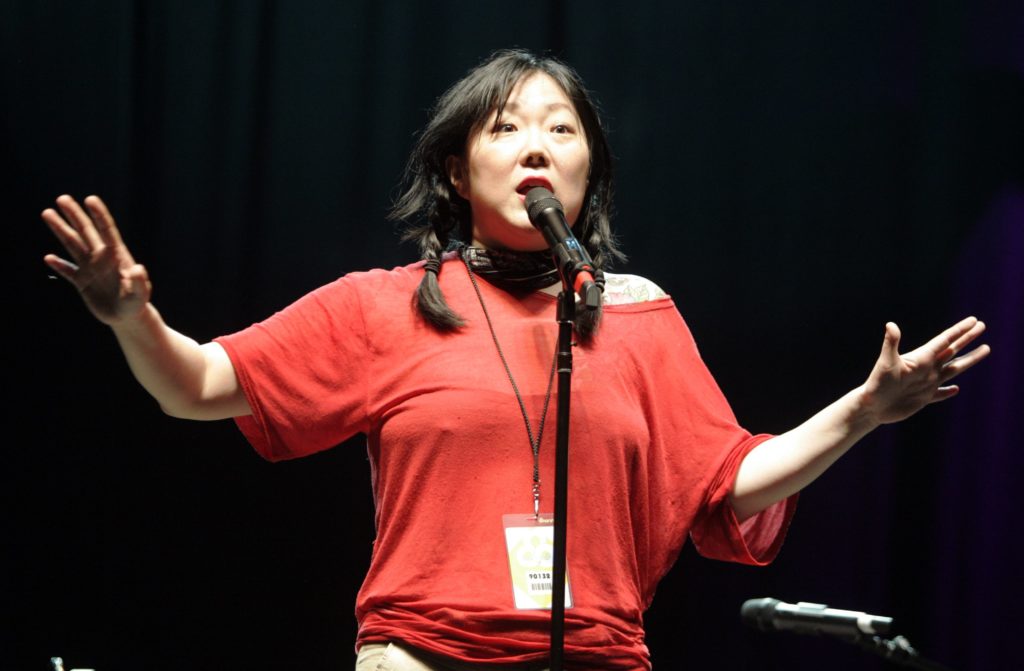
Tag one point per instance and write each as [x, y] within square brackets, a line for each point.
[573, 263]
[812, 618]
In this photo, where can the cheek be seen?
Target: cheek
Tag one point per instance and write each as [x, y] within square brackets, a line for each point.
[583, 161]
[487, 172]
[582, 172]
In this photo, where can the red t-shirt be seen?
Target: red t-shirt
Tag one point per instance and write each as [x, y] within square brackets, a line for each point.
[654, 452]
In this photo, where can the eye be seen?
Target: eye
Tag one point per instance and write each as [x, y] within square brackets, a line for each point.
[561, 129]
[504, 127]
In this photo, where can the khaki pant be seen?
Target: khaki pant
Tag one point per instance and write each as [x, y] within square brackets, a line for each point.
[392, 657]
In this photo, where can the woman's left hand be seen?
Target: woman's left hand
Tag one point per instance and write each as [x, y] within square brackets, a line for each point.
[902, 384]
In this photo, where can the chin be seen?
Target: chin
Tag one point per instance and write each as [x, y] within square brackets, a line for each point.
[517, 235]
[515, 246]
[523, 244]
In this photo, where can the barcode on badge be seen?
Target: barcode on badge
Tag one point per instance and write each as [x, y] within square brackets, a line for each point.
[538, 581]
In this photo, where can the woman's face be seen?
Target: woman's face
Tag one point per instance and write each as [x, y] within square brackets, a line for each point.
[538, 141]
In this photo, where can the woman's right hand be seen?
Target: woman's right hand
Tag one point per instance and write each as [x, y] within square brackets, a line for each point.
[114, 287]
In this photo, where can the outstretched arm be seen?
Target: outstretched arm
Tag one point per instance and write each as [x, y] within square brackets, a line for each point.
[898, 386]
[188, 379]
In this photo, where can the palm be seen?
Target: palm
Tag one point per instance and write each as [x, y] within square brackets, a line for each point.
[112, 285]
[900, 385]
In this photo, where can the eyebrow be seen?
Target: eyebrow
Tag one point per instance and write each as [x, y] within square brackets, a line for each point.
[551, 106]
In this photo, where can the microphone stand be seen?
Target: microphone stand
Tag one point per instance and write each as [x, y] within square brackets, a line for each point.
[576, 272]
[566, 316]
[899, 651]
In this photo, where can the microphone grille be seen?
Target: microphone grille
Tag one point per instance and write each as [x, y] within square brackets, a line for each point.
[538, 198]
[758, 612]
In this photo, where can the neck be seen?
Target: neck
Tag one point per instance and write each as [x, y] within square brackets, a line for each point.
[513, 270]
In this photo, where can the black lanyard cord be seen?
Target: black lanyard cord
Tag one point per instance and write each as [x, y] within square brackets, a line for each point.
[534, 443]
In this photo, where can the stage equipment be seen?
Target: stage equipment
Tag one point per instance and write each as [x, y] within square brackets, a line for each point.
[576, 271]
[851, 626]
[571, 259]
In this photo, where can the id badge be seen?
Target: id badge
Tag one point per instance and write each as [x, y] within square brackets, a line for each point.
[531, 552]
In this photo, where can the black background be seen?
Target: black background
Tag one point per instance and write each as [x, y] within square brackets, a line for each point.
[794, 175]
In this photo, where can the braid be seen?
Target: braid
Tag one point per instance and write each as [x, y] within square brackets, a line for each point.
[429, 299]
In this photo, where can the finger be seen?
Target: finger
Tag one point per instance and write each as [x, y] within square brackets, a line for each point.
[940, 345]
[960, 364]
[966, 339]
[103, 221]
[62, 267]
[68, 236]
[942, 393]
[82, 223]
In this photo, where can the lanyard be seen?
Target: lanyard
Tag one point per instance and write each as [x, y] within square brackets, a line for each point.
[534, 442]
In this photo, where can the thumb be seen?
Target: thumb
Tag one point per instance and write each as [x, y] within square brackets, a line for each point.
[135, 282]
[890, 344]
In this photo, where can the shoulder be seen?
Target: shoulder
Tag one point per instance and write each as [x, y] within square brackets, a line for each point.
[376, 281]
[622, 289]
[351, 293]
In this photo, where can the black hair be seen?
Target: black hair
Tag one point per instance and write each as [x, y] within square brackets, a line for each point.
[444, 218]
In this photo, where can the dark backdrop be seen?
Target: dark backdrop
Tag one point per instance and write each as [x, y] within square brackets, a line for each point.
[794, 175]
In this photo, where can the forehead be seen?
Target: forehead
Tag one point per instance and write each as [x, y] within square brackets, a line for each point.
[537, 91]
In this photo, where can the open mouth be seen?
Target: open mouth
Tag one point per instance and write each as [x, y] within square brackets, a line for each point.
[531, 182]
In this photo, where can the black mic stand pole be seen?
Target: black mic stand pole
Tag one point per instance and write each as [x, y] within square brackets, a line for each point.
[566, 316]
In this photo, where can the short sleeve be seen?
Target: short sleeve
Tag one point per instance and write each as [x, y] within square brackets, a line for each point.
[718, 534]
[304, 372]
[698, 445]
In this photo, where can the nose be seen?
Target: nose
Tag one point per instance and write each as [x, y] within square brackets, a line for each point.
[535, 151]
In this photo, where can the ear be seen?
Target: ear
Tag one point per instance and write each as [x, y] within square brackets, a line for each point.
[457, 175]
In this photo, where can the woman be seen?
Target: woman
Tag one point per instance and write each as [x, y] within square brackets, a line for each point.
[453, 390]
